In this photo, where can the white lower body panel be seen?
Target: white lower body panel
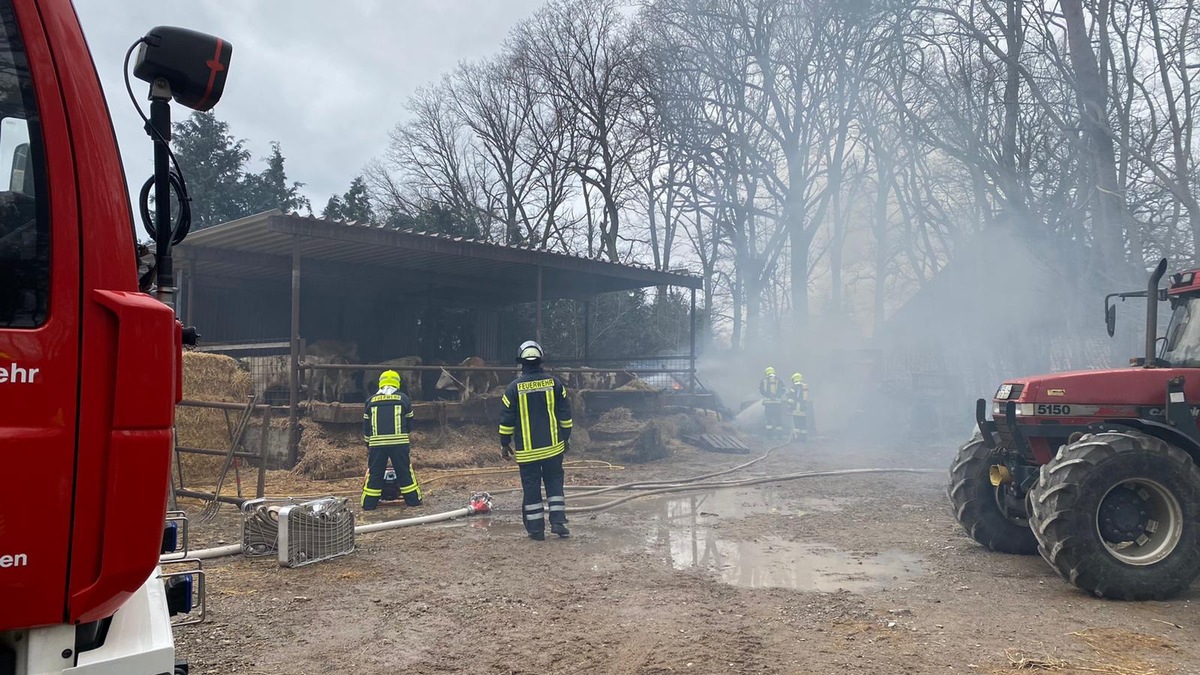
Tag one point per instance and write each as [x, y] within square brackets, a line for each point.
[139, 641]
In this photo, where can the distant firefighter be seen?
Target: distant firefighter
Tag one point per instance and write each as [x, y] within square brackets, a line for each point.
[798, 400]
[386, 423]
[537, 412]
[773, 393]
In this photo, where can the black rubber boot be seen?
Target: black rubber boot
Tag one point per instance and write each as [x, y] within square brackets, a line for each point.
[560, 529]
[537, 536]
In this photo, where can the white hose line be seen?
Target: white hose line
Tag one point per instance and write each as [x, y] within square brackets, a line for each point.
[693, 487]
[406, 522]
[218, 552]
[234, 549]
[644, 485]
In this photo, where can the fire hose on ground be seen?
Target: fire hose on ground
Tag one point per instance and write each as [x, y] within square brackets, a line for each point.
[481, 503]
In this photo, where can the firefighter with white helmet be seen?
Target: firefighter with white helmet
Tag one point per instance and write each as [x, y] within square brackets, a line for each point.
[537, 412]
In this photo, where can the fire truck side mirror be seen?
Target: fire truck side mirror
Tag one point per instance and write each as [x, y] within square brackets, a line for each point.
[1110, 319]
[194, 64]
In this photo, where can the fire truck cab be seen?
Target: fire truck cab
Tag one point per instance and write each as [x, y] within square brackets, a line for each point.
[90, 366]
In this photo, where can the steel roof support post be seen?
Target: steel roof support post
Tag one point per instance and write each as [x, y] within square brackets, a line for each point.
[189, 295]
[587, 332]
[294, 370]
[692, 361]
[539, 305]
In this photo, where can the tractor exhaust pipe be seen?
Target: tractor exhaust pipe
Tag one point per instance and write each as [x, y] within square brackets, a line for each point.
[1152, 313]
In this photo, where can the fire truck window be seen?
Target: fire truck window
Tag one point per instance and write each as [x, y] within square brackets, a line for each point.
[24, 217]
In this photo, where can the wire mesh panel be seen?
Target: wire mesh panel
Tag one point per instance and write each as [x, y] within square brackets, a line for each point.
[268, 362]
[315, 530]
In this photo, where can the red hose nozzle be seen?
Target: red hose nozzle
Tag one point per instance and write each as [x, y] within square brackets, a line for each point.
[481, 502]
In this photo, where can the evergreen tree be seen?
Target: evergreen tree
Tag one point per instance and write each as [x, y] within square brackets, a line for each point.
[357, 201]
[270, 190]
[335, 209]
[354, 205]
[213, 162]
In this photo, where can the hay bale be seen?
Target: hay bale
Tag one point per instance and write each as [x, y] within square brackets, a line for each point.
[617, 420]
[650, 445]
[328, 452]
[214, 377]
[452, 447]
[637, 385]
[208, 377]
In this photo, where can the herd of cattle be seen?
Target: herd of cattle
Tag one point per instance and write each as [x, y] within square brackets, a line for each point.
[456, 383]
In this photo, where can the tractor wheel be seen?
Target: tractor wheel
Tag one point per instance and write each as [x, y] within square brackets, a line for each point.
[977, 503]
[1118, 515]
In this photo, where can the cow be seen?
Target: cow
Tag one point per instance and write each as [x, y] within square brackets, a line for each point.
[463, 384]
[330, 385]
[410, 380]
[590, 379]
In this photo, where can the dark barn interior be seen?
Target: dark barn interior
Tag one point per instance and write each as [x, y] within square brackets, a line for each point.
[287, 280]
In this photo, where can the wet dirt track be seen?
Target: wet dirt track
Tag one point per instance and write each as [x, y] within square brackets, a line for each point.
[856, 574]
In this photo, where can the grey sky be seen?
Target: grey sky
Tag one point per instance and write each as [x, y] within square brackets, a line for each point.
[326, 78]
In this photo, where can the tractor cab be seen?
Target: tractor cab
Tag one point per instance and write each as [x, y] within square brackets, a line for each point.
[1181, 345]
[1098, 470]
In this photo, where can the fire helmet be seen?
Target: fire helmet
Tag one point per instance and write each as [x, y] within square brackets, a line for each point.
[530, 352]
[797, 378]
[769, 371]
[389, 378]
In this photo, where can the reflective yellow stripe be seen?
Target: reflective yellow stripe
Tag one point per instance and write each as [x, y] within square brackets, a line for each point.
[524, 456]
[553, 417]
[374, 421]
[565, 424]
[505, 401]
[526, 434]
[396, 412]
[390, 439]
[507, 431]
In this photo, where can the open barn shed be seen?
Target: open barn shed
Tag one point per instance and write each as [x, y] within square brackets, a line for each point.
[277, 286]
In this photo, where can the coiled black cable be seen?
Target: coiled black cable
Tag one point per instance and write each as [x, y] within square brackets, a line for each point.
[183, 223]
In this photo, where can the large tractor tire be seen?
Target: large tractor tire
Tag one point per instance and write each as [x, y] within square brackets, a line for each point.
[1118, 515]
[977, 502]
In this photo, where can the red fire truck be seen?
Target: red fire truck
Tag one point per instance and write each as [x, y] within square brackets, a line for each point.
[90, 364]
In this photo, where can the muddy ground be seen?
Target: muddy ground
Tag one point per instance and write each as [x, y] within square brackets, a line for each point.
[856, 574]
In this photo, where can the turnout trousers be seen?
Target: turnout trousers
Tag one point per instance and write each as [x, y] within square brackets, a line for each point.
[533, 474]
[377, 461]
[800, 424]
[773, 413]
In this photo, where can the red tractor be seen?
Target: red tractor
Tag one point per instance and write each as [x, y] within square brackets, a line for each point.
[90, 364]
[1099, 471]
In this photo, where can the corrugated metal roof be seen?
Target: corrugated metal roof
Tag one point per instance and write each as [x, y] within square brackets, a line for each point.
[261, 246]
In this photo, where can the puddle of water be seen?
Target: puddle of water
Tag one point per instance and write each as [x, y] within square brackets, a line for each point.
[683, 528]
[771, 562]
[698, 532]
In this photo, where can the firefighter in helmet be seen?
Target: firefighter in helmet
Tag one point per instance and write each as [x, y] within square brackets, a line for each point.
[386, 423]
[798, 401]
[537, 412]
[773, 394]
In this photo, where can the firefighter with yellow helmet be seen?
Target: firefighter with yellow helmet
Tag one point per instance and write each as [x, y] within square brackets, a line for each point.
[387, 421]
[773, 393]
[797, 399]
